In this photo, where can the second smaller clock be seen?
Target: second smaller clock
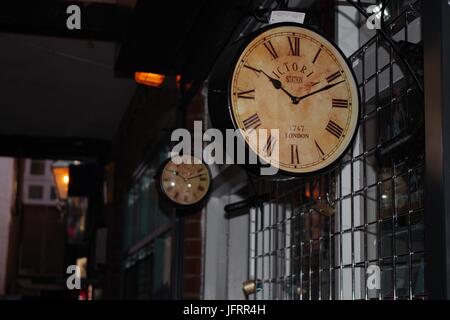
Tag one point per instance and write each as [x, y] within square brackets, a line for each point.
[185, 181]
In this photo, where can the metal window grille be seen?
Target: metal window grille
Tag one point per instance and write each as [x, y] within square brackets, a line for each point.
[316, 237]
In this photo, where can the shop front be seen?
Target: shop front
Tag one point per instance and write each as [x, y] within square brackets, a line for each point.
[362, 226]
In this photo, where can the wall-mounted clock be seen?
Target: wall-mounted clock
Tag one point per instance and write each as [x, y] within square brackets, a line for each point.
[289, 77]
[185, 184]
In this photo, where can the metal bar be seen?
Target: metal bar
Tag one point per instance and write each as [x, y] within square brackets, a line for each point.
[341, 249]
[410, 248]
[330, 232]
[352, 223]
[435, 25]
[300, 216]
[393, 192]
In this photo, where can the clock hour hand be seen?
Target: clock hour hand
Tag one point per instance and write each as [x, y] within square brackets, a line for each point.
[294, 99]
[277, 85]
[327, 87]
[176, 173]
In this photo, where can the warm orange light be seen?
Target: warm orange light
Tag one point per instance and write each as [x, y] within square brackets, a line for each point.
[61, 176]
[149, 79]
[178, 80]
[307, 191]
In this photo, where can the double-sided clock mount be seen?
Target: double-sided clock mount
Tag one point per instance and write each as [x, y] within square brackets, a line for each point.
[288, 77]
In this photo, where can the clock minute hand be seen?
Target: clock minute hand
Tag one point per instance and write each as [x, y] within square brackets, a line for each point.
[327, 87]
[199, 175]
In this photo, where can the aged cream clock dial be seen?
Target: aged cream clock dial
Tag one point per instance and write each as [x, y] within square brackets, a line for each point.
[291, 78]
[186, 183]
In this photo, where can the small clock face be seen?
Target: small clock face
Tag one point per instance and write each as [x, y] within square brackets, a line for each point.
[186, 183]
[292, 79]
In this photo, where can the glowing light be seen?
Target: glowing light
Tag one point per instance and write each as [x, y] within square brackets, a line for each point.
[60, 173]
[149, 79]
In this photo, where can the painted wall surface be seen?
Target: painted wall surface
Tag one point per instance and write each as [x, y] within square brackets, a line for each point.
[6, 201]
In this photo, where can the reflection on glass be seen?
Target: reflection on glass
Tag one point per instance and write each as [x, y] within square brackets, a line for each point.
[387, 280]
[401, 194]
[416, 188]
[418, 270]
[402, 276]
[386, 238]
[386, 199]
[402, 235]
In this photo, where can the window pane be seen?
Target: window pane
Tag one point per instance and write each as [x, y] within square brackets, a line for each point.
[37, 167]
[52, 193]
[35, 192]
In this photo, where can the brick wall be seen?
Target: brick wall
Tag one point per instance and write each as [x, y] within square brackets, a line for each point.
[193, 257]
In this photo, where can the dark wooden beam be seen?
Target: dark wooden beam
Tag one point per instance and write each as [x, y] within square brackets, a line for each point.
[54, 148]
[99, 21]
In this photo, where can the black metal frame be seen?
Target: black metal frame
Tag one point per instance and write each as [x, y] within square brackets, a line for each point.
[436, 23]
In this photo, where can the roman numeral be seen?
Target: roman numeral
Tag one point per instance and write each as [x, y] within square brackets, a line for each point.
[319, 149]
[253, 69]
[294, 154]
[294, 44]
[339, 103]
[334, 129]
[334, 76]
[270, 145]
[249, 94]
[201, 188]
[252, 122]
[271, 49]
[317, 55]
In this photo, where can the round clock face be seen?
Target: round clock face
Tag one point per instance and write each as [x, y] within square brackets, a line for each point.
[292, 79]
[186, 183]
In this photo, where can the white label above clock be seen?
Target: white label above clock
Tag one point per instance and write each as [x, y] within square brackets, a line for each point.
[286, 16]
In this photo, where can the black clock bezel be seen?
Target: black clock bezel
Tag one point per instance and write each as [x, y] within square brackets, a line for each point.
[177, 205]
[283, 173]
